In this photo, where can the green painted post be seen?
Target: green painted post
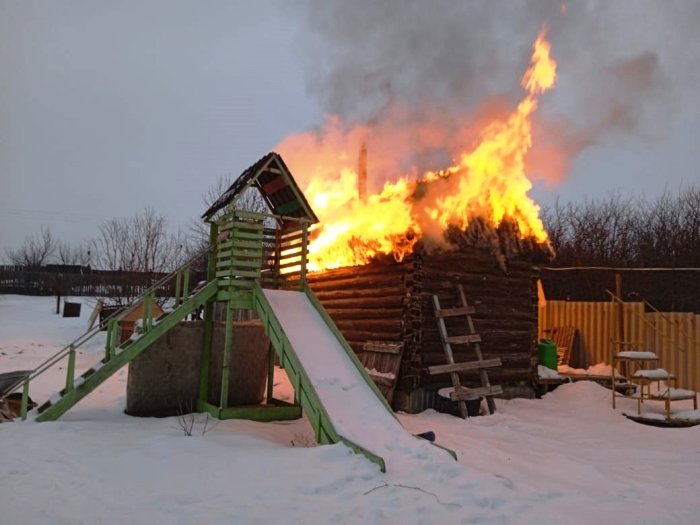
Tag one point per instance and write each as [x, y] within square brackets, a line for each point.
[213, 248]
[186, 283]
[177, 289]
[25, 399]
[208, 317]
[111, 338]
[70, 372]
[270, 371]
[149, 309]
[226, 361]
[206, 351]
[144, 315]
[278, 255]
[115, 337]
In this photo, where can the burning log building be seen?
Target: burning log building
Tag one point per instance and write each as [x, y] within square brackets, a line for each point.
[384, 248]
[390, 302]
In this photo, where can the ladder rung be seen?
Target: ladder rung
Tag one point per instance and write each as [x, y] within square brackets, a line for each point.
[453, 312]
[463, 367]
[463, 339]
[469, 393]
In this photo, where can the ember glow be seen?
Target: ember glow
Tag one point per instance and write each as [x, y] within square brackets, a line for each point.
[486, 180]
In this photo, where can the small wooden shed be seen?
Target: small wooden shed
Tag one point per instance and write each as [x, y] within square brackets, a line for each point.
[127, 323]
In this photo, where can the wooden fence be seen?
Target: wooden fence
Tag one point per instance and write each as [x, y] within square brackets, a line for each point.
[674, 337]
[48, 281]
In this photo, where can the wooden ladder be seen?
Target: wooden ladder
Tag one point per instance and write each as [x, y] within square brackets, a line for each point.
[459, 392]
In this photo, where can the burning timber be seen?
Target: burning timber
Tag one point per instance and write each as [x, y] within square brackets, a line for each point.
[391, 302]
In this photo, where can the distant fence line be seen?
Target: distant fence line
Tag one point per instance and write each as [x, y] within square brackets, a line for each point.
[76, 280]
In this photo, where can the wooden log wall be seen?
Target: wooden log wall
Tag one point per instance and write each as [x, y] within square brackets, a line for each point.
[375, 303]
[505, 317]
[367, 302]
[392, 302]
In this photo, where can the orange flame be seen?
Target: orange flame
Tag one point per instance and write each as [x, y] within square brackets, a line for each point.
[487, 181]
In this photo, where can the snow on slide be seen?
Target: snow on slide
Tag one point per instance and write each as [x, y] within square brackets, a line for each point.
[356, 412]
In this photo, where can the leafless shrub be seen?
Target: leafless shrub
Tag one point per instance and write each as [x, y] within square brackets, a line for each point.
[188, 420]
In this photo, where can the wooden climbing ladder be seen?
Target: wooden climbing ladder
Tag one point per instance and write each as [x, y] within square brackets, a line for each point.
[460, 393]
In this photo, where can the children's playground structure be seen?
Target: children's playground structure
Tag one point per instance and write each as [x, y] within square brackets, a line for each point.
[255, 261]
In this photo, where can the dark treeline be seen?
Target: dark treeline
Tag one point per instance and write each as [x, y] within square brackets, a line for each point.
[627, 232]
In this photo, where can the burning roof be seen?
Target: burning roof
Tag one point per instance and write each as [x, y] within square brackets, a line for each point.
[485, 186]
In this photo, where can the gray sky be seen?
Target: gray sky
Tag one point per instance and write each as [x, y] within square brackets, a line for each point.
[109, 107]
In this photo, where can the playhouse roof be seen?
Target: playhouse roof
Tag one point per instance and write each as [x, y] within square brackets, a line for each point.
[273, 179]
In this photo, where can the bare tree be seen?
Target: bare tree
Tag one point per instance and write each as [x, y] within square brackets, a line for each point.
[67, 253]
[250, 199]
[138, 244]
[34, 251]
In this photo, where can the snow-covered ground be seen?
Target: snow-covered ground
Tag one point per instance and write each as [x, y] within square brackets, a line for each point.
[567, 458]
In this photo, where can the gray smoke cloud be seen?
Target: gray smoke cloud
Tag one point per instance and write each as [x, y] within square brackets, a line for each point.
[622, 65]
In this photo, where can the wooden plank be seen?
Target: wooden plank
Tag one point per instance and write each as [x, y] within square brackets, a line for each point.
[382, 347]
[248, 226]
[292, 241]
[380, 380]
[247, 273]
[246, 243]
[235, 264]
[288, 207]
[463, 367]
[453, 312]
[464, 339]
[234, 284]
[238, 263]
[470, 393]
[240, 234]
[246, 214]
[274, 185]
[228, 255]
[290, 264]
[237, 273]
[292, 251]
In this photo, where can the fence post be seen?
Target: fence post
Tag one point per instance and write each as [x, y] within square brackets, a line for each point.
[620, 311]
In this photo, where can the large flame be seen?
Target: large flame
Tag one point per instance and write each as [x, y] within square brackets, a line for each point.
[487, 181]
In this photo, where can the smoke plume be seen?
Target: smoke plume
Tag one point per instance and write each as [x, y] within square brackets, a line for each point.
[398, 68]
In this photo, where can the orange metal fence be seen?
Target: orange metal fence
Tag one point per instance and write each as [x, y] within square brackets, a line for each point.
[674, 337]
